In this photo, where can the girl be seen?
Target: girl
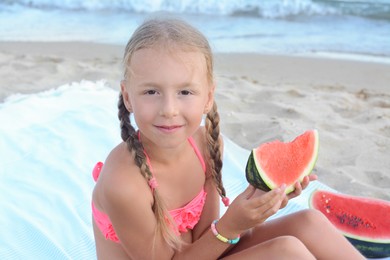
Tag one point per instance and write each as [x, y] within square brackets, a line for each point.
[157, 193]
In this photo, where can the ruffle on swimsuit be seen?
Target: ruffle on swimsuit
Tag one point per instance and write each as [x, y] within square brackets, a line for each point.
[185, 217]
[188, 216]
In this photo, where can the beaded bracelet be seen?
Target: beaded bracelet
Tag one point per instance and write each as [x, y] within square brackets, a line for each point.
[222, 238]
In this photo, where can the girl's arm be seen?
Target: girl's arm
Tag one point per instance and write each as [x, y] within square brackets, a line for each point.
[130, 210]
[245, 212]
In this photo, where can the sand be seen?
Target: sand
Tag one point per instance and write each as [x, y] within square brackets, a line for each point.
[260, 98]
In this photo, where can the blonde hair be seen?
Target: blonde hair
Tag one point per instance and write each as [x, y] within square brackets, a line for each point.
[165, 33]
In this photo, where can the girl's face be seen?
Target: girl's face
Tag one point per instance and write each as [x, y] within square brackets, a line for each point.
[168, 92]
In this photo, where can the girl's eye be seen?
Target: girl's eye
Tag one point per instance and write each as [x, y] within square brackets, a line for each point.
[185, 92]
[150, 92]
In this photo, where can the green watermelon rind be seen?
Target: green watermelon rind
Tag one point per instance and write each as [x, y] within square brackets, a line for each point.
[368, 247]
[258, 178]
[252, 175]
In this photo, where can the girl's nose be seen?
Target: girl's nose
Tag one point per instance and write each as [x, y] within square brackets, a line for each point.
[169, 107]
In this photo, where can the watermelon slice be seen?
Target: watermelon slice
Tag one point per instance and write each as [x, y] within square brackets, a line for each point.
[365, 222]
[275, 163]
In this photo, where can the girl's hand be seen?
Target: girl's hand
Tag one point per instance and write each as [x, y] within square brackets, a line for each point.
[299, 187]
[250, 209]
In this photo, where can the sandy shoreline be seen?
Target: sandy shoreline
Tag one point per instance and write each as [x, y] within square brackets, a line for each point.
[260, 98]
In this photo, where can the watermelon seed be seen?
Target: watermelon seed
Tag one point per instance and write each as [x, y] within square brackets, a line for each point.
[354, 221]
[341, 218]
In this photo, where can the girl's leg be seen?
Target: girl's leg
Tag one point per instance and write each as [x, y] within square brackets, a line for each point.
[284, 247]
[316, 233]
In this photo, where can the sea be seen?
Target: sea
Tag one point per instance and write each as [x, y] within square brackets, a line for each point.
[351, 29]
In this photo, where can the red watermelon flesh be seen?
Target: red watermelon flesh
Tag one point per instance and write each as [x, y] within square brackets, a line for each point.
[275, 163]
[354, 216]
[364, 221]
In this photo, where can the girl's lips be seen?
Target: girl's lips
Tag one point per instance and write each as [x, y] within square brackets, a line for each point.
[168, 129]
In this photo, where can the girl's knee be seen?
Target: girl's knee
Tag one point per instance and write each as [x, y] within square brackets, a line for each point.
[290, 246]
[311, 217]
[286, 242]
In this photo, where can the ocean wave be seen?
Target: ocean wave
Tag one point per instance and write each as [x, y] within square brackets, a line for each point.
[265, 9]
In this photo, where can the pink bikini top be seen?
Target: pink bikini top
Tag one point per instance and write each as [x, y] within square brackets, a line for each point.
[185, 217]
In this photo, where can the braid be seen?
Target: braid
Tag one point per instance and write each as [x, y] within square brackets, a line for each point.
[214, 149]
[129, 135]
[135, 147]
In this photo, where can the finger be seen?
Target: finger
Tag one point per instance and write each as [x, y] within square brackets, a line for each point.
[284, 202]
[305, 182]
[265, 213]
[298, 186]
[297, 191]
[313, 177]
[248, 192]
[258, 201]
[269, 199]
[259, 192]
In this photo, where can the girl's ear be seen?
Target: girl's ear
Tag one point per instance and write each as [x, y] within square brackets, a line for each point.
[125, 95]
[210, 100]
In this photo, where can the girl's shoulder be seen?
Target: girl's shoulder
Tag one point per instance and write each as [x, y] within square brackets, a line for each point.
[121, 179]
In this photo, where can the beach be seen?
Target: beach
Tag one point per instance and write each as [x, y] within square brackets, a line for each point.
[261, 97]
